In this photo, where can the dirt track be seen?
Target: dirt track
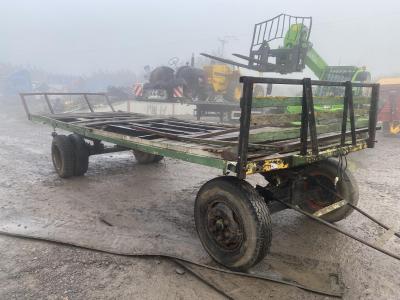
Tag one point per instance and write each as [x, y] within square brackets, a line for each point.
[34, 270]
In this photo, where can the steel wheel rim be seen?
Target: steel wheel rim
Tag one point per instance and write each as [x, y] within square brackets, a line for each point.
[315, 200]
[224, 226]
[57, 158]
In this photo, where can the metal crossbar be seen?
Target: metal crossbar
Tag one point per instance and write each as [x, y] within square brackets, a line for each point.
[308, 124]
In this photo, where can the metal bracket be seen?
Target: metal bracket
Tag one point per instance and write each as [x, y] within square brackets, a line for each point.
[330, 208]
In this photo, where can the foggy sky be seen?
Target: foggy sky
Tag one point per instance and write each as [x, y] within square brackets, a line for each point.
[74, 37]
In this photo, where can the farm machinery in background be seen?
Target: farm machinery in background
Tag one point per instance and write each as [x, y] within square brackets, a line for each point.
[279, 45]
[169, 85]
[389, 105]
[212, 83]
[282, 45]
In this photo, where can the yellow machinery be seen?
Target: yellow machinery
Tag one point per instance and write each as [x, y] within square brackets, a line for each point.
[389, 108]
[224, 81]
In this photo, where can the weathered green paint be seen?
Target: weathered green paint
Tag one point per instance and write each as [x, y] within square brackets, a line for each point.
[298, 160]
[288, 118]
[254, 166]
[291, 133]
[315, 62]
[120, 140]
[260, 102]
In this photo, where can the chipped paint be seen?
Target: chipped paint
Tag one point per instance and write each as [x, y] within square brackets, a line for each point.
[206, 158]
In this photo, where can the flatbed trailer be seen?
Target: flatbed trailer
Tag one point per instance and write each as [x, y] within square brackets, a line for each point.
[232, 217]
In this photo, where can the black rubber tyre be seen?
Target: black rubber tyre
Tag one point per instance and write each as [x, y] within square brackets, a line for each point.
[233, 222]
[325, 172]
[146, 158]
[258, 91]
[62, 154]
[81, 152]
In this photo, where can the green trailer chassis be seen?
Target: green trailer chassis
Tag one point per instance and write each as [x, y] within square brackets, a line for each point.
[227, 147]
[232, 217]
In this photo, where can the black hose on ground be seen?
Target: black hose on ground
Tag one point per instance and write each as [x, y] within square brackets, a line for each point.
[181, 261]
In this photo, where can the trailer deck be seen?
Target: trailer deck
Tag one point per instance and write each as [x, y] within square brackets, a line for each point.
[290, 145]
[273, 142]
[203, 143]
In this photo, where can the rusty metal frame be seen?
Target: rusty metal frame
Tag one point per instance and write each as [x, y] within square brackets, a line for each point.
[308, 116]
[233, 154]
[50, 106]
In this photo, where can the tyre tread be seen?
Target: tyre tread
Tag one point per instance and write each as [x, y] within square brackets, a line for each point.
[66, 149]
[259, 212]
[81, 152]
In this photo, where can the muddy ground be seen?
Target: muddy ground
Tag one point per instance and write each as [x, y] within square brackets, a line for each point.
[37, 270]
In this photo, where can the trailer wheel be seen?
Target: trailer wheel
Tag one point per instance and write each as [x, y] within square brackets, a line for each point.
[321, 177]
[146, 158]
[63, 157]
[81, 152]
[258, 90]
[233, 222]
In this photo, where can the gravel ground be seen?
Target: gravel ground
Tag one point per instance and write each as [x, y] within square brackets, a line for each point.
[38, 270]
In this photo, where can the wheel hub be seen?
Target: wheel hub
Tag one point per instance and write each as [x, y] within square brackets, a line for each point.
[317, 196]
[224, 227]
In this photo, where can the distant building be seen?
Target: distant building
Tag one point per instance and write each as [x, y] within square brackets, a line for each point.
[17, 82]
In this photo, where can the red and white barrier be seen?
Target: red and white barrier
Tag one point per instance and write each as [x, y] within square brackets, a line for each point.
[178, 92]
[138, 89]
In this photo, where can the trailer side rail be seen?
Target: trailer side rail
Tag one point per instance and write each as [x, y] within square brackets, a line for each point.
[308, 129]
[50, 105]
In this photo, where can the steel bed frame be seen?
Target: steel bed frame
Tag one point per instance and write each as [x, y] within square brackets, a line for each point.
[217, 145]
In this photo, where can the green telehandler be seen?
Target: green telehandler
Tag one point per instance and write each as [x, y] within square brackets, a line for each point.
[282, 45]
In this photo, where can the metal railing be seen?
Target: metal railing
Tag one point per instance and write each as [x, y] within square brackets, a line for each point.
[51, 107]
[308, 124]
[277, 27]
